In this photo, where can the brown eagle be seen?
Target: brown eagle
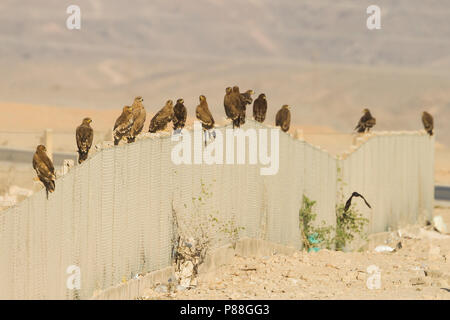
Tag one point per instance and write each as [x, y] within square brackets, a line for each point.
[44, 168]
[245, 99]
[179, 115]
[260, 108]
[283, 118]
[123, 124]
[139, 116]
[84, 135]
[349, 201]
[204, 115]
[162, 118]
[428, 122]
[366, 122]
[231, 104]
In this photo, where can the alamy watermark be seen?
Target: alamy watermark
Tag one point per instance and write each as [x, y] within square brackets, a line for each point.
[222, 149]
[74, 20]
[74, 280]
[374, 20]
[374, 279]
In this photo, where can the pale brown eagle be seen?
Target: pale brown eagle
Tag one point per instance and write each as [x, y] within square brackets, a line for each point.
[283, 118]
[162, 118]
[44, 168]
[84, 136]
[139, 116]
[204, 115]
[123, 124]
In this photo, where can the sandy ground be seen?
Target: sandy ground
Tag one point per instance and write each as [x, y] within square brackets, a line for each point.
[419, 270]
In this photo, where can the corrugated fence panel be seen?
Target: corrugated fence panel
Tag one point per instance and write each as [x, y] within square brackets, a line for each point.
[112, 215]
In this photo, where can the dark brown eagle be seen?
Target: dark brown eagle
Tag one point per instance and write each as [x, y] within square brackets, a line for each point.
[44, 168]
[139, 116]
[84, 135]
[283, 118]
[123, 124]
[162, 118]
[349, 201]
[231, 104]
[428, 122]
[179, 115]
[203, 114]
[366, 122]
[245, 99]
[260, 108]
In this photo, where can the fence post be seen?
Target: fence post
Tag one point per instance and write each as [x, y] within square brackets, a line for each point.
[48, 142]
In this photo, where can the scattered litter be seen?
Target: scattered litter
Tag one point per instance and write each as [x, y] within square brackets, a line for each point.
[384, 249]
[313, 240]
[161, 289]
[439, 224]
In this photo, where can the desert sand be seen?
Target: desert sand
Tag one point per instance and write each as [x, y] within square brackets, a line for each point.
[419, 270]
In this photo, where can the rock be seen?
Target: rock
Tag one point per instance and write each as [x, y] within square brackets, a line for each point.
[419, 281]
[181, 288]
[161, 289]
[439, 224]
[433, 273]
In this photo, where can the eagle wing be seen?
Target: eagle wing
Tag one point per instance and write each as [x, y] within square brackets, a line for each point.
[259, 109]
[84, 136]
[139, 120]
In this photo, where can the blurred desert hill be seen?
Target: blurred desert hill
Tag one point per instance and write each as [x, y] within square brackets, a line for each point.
[317, 56]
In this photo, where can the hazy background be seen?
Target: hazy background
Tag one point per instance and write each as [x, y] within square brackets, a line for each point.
[316, 55]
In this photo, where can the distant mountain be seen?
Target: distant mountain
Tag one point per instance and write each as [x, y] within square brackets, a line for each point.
[316, 55]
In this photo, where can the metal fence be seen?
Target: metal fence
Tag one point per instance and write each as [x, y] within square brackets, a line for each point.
[112, 215]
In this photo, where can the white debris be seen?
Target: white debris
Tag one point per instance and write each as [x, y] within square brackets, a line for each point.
[384, 249]
[439, 224]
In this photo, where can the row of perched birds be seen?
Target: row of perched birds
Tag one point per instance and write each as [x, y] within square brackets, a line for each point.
[131, 123]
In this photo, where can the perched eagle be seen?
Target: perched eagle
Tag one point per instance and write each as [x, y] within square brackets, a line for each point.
[245, 99]
[204, 115]
[84, 136]
[123, 124]
[349, 201]
[179, 115]
[366, 122]
[231, 105]
[428, 122]
[283, 118]
[44, 168]
[139, 115]
[162, 118]
[260, 108]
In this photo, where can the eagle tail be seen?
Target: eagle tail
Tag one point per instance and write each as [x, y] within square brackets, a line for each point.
[82, 156]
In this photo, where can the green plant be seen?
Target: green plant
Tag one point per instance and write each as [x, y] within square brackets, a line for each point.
[321, 234]
[350, 223]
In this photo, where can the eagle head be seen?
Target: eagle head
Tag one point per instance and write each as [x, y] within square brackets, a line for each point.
[87, 120]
